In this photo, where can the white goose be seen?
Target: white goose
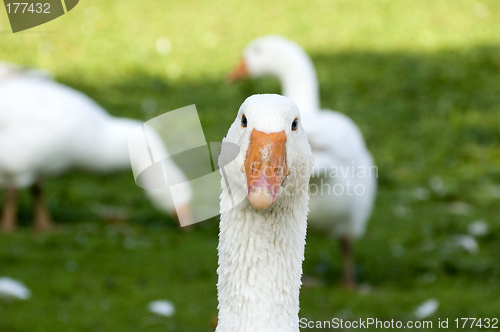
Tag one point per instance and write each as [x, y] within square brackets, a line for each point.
[261, 240]
[47, 128]
[343, 186]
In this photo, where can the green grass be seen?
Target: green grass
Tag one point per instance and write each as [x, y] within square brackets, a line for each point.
[419, 77]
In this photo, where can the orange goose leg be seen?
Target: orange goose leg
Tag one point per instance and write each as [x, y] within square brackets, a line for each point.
[349, 277]
[9, 212]
[43, 221]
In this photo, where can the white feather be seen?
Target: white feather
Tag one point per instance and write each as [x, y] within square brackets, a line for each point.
[427, 308]
[162, 308]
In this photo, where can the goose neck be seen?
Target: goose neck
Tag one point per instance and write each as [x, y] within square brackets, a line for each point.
[300, 84]
[260, 268]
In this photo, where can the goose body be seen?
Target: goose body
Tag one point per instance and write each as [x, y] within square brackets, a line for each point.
[261, 247]
[47, 128]
[343, 186]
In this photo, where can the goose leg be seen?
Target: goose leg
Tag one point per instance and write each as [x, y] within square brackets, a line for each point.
[9, 212]
[349, 278]
[43, 221]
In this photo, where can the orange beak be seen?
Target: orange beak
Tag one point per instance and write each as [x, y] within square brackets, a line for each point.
[238, 72]
[265, 168]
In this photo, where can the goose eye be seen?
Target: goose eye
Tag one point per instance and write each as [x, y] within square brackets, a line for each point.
[295, 124]
[244, 121]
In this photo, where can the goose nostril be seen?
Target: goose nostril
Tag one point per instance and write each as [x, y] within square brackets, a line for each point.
[255, 168]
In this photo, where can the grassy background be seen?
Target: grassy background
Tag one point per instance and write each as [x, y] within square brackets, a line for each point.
[421, 79]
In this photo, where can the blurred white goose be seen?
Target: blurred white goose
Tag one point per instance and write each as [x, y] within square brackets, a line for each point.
[343, 186]
[47, 128]
[261, 240]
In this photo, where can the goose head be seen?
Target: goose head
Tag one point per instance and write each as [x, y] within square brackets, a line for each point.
[275, 158]
[281, 58]
[269, 55]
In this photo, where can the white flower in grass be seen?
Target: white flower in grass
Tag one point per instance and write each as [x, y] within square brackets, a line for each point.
[13, 289]
[478, 228]
[427, 308]
[495, 192]
[162, 308]
[460, 208]
[437, 185]
[468, 243]
[421, 193]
